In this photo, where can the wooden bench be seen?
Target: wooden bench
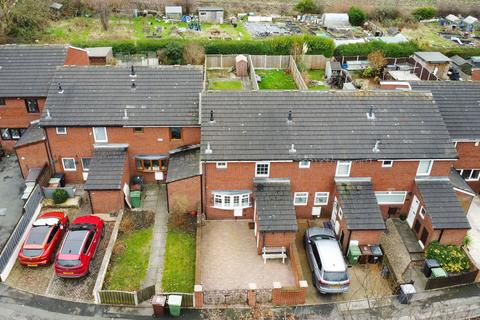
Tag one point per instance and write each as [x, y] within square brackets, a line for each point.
[274, 253]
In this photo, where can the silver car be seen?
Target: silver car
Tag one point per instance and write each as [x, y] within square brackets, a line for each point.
[329, 270]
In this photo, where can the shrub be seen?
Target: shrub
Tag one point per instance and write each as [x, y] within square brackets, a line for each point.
[307, 6]
[390, 50]
[424, 13]
[384, 13]
[356, 16]
[59, 196]
[452, 258]
[193, 53]
[172, 53]
[403, 217]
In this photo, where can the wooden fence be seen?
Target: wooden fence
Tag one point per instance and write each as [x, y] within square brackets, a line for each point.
[128, 298]
[297, 76]
[187, 298]
[454, 280]
[221, 61]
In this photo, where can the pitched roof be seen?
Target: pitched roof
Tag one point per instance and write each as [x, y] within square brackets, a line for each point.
[210, 9]
[184, 164]
[470, 20]
[433, 57]
[107, 168]
[459, 61]
[26, 70]
[459, 104]
[359, 204]
[459, 182]
[253, 126]
[441, 203]
[274, 205]
[32, 135]
[103, 96]
[99, 51]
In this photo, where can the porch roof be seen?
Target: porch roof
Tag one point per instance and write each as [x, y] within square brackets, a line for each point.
[359, 204]
[441, 203]
[107, 167]
[184, 164]
[274, 205]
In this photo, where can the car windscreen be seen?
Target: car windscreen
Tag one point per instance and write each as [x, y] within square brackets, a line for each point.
[32, 252]
[321, 237]
[38, 234]
[68, 263]
[74, 241]
[335, 276]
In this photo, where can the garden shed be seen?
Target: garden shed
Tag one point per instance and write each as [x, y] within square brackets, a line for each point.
[173, 12]
[335, 21]
[241, 66]
[210, 14]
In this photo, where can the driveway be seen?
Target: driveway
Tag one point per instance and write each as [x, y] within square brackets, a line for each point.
[11, 204]
[474, 233]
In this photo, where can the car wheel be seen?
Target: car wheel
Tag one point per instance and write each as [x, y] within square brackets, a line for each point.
[103, 232]
[90, 267]
[52, 259]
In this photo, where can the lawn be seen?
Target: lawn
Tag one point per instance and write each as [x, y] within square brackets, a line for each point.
[317, 75]
[427, 35]
[128, 268]
[225, 85]
[275, 79]
[179, 266]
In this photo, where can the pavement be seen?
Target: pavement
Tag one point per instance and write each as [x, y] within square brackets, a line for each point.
[473, 216]
[155, 199]
[11, 204]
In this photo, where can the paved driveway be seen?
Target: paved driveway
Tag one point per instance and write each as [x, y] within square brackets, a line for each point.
[474, 219]
[11, 188]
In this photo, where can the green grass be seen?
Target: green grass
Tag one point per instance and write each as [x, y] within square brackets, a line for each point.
[127, 270]
[317, 75]
[179, 266]
[225, 85]
[275, 80]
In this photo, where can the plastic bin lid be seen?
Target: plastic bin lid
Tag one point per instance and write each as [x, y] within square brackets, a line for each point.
[432, 263]
[439, 272]
[159, 300]
[135, 193]
[408, 288]
[376, 250]
[175, 300]
[354, 249]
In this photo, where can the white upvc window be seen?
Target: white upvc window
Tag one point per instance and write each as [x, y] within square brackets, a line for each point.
[391, 197]
[61, 130]
[231, 200]
[469, 174]
[422, 212]
[343, 168]
[321, 198]
[424, 167]
[300, 199]
[304, 164]
[221, 165]
[100, 134]
[262, 169]
[86, 163]
[387, 163]
[69, 164]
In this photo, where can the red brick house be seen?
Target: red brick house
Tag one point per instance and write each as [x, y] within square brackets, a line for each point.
[459, 104]
[25, 75]
[147, 112]
[352, 157]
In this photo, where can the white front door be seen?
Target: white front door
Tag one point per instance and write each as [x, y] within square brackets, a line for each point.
[413, 211]
[334, 211]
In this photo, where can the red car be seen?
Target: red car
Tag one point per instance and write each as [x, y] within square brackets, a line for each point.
[43, 239]
[75, 257]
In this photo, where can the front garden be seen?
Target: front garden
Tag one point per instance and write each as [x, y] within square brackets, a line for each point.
[452, 258]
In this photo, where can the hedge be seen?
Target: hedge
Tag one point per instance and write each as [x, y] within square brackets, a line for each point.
[391, 50]
[272, 46]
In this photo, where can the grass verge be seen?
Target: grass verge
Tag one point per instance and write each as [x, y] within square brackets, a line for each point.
[128, 267]
[275, 80]
[179, 265]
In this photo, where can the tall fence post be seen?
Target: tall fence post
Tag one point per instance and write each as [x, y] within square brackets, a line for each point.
[252, 294]
[198, 296]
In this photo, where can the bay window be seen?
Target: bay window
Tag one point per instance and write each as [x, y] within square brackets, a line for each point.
[231, 199]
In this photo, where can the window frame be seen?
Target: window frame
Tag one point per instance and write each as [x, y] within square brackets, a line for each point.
[226, 201]
[384, 165]
[138, 130]
[298, 195]
[10, 131]
[422, 215]
[83, 166]
[3, 102]
[221, 164]
[74, 164]
[162, 165]
[95, 138]
[430, 166]
[262, 175]
[343, 162]
[315, 203]
[59, 132]
[304, 166]
[390, 193]
[35, 102]
[460, 172]
[180, 131]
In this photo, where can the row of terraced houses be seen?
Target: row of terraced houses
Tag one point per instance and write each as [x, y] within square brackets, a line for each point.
[356, 157]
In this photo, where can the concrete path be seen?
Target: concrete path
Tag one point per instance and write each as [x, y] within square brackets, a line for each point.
[155, 199]
[474, 233]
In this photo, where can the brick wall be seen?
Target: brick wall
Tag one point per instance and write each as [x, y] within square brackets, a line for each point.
[318, 178]
[469, 158]
[14, 115]
[76, 57]
[275, 239]
[78, 143]
[184, 194]
[32, 156]
[106, 201]
[476, 74]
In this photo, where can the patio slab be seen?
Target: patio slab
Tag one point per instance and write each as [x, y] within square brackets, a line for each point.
[229, 259]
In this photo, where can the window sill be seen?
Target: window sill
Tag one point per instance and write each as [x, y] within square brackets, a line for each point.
[230, 208]
[319, 204]
[300, 205]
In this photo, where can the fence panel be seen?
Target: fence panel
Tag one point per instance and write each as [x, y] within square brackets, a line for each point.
[187, 298]
[145, 294]
[117, 297]
[463, 278]
[315, 61]
[297, 76]
[29, 210]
